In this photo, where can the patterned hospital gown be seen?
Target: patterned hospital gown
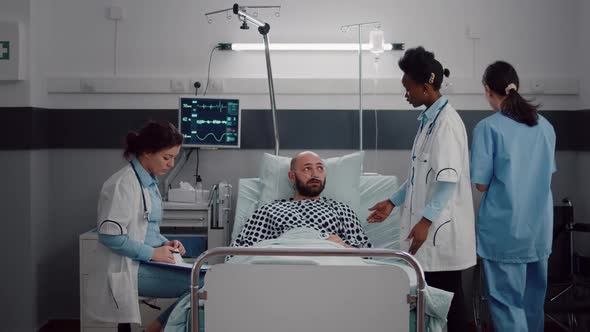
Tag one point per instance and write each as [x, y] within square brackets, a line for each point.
[324, 215]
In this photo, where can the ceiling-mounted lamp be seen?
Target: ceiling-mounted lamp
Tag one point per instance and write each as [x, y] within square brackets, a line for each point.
[311, 46]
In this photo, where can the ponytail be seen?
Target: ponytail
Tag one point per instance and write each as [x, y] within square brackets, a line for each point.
[446, 72]
[131, 145]
[503, 80]
[520, 109]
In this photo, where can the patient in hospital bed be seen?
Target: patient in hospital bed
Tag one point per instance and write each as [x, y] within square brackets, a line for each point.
[308, 221]
[335, 221]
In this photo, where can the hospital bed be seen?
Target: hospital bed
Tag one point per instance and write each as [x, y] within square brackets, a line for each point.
[300, 295]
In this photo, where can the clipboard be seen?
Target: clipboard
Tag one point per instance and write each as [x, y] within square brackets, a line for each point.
[181, 266]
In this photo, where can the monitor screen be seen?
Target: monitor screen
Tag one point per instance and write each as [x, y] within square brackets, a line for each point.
[209, 122]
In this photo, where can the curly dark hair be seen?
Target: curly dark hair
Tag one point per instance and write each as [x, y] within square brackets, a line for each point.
[422, 67]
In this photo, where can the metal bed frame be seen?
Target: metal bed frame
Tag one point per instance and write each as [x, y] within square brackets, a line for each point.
[197, 295]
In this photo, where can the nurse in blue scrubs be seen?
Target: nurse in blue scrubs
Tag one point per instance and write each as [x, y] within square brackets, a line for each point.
[512, 162]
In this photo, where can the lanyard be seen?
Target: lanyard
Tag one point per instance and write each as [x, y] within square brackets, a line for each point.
[145, 211]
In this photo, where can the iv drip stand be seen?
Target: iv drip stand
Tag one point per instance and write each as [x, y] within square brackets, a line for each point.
[359, 26]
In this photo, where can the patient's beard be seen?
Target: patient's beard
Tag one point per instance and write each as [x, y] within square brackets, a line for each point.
[307, 191]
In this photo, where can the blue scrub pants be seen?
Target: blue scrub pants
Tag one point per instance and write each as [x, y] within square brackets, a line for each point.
[516, 294]
[162, 282]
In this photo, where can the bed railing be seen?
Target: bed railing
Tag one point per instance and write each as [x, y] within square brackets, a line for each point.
[237, 251]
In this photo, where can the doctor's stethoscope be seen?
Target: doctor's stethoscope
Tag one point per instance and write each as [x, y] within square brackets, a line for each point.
[146, 214]
[422, 146]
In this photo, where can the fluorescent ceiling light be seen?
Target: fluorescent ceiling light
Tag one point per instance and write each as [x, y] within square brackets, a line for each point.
[302, 47]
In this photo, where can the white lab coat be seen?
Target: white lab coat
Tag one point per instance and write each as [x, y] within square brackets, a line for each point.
[441, 155]
[112, 287]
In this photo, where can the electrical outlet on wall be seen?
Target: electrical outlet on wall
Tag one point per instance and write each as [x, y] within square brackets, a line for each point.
[177, 85]
[447, 86]
[116, 13]
[192, 89]
[86, 85]
[473, 31]
[215, 86]
[537, 86]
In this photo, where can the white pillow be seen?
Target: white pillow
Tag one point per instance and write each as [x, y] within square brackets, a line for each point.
[342, 179]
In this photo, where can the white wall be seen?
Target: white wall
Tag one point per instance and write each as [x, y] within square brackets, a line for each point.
[173, 39]
[157, 39]
[41, 41]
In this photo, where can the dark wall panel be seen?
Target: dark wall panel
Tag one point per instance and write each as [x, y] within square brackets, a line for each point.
[34, 128]
[17, 128]
[98, 128]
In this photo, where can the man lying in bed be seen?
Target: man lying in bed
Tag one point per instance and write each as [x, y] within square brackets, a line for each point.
[306, 209]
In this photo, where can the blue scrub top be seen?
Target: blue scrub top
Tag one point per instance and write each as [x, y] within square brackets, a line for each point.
[515, 219]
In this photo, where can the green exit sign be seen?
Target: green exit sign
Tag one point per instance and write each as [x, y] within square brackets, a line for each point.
[4, 50]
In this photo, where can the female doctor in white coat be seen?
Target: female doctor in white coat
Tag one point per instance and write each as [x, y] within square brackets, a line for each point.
[129, 215]
[437, 219]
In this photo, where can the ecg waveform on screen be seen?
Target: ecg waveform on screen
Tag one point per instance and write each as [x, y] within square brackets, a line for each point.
[218, 106]
[231, 107]
[215, 122]
[210, 121]
[209, 134]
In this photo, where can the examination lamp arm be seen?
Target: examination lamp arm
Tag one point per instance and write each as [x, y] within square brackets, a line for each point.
[263, 28]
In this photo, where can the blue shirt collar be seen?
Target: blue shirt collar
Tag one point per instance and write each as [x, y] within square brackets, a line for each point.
[145, 178]
[431, 112]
